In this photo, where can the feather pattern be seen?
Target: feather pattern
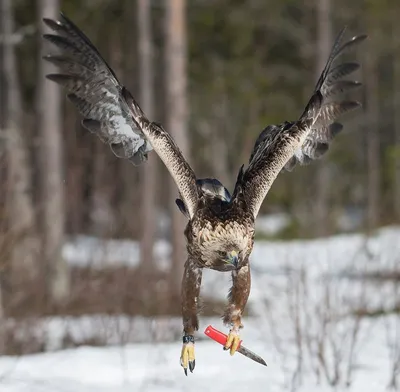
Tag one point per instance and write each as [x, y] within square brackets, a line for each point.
[108, 108]
[169, 153]
[95, 91]
[300, 142]
[211, 188]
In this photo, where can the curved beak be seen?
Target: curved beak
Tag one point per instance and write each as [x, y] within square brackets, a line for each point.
[233, 258]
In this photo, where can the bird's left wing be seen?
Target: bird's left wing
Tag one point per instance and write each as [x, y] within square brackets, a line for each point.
[109, 110]
[285, 145]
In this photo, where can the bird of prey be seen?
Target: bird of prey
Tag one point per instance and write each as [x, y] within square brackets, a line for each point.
[220, 227]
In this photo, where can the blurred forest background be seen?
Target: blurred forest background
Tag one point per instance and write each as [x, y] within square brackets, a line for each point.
[215, 73]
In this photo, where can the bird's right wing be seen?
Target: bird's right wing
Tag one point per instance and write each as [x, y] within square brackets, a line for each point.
[282, 146]
[326, 126]
[109, 110]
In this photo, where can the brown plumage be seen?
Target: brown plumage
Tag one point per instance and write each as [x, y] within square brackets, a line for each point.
[220, 229]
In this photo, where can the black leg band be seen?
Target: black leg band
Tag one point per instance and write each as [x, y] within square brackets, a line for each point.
[188, 339]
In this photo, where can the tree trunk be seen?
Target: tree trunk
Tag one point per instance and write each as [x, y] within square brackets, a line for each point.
[2, 87]
[102, 209]
[219, 146]
[396, 105]
[321, 212]
[51, 171]
[75, 169]
[373, 142]
[3, 111]
[176, 103]
[149, 169]
[19, 204]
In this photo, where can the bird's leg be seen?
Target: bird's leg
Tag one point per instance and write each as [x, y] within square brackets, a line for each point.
[238, 296]
[190, 295]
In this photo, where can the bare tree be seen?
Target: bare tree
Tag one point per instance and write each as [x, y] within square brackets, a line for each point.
[2, 84]
[2, 136]
[176, 102]
[396, 113]
[149, 171]
[373, 141]
[51, 170]
[19, 204]
[323, 173]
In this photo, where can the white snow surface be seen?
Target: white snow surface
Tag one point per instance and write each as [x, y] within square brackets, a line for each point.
[155, 367]
[301, 321]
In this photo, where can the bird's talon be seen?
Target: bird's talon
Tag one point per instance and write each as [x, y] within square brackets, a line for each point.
[232, 343]
[187, 354]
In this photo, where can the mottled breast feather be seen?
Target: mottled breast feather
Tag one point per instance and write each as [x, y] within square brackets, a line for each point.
[209, 233]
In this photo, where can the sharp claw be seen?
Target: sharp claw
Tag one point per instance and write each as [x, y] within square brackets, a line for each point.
[188, 357]
[232, 341]
[235, 345]
[229, 341]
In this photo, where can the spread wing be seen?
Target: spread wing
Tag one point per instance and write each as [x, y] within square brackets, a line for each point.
[283, 146]
[108, 108]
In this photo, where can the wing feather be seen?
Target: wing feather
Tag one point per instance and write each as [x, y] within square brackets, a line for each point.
[169, 153]
[340, 87]
[109, 110]
[286, 145]
[342, 70]
[94, 89]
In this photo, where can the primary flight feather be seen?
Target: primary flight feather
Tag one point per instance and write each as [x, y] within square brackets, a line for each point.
[220, 228]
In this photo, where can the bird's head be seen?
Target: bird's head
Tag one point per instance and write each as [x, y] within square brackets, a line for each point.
[230, 257]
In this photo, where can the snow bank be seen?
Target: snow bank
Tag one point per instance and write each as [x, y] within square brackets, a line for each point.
[155, 368]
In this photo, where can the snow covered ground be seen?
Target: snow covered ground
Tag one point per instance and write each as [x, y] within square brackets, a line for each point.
[302, 305]
[155, 367]
[136, 368]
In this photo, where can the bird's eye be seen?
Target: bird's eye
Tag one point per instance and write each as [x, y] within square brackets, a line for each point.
[221, 253]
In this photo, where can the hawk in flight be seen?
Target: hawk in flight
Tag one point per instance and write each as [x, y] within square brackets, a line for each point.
[220, 228]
